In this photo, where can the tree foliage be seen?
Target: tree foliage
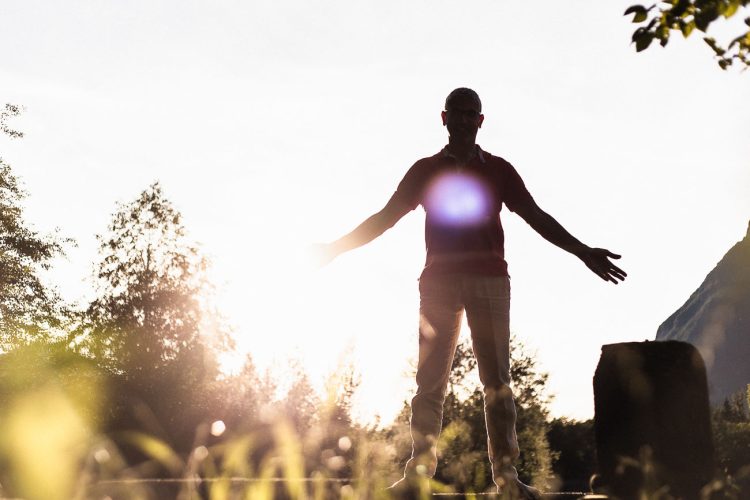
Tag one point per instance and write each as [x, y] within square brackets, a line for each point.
[731, 430]
[29, 309]
[532, 408]
[660, 20]
[243, 397]
[152, 325]
[151, 308]
[574, 446]
[10, 111]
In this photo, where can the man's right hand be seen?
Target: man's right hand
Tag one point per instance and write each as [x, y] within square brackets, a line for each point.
[321, 254]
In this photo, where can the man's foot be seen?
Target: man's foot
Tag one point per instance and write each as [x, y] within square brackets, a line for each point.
[517, 490]
[410, 488]
[529, 492]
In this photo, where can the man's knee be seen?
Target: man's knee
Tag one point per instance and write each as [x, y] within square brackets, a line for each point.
[497, 392]
[433, 388]
[429, 397]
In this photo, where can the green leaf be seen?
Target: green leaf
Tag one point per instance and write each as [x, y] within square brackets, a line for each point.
[731, 8]
[643, 40]
[633, 9]
[641, 13]
[737, 40]
[701, 22]
[687, 28]
[712, 43]
[680, 8]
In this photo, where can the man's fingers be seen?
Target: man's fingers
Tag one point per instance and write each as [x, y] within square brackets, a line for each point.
[607, 277]
[612, 273]
[616, 279]
[598, 261]
[618, 272]
[602, 272]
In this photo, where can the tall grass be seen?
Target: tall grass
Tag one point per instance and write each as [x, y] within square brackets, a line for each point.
[232, 468]
[52, 446]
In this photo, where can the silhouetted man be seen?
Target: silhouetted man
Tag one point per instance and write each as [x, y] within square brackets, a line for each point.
[462, 189]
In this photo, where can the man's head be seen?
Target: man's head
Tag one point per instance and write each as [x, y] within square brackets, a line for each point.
[463, 114]
[462, 94]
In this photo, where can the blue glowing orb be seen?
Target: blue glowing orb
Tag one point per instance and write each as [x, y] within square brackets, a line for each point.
[458, 199]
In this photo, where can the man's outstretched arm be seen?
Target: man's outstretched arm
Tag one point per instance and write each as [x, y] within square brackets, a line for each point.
[371, 228]
[596, 259]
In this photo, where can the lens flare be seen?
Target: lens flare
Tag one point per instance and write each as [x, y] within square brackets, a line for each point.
[458, 199]
[218, 428]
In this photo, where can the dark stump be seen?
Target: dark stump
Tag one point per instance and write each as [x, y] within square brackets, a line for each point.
[652, 420]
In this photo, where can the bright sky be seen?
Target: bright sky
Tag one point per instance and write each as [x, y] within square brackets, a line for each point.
[275, 124]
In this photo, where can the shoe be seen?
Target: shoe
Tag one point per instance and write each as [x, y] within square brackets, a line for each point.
[519, 491]
[528, 492]
[410, 488]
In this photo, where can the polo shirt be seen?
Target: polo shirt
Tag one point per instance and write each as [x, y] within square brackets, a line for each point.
[462, 203]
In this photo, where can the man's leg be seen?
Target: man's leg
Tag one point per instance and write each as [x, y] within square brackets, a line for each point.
[440, 313]
[488, 314]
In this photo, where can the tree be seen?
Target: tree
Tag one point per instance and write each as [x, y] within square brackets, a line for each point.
[29, 309]
[152, 287]
[242, 397]
[731, 431]
[574, 445]
[301, 402]
[532, 408]
[151, 324]
[687, 15]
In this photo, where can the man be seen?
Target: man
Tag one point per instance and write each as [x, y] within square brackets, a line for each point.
[462, 189]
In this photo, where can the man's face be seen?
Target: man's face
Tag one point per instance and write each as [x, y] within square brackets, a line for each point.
[463, 118]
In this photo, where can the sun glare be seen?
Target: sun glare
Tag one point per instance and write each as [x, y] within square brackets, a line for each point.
[458, 199]
[287, 311]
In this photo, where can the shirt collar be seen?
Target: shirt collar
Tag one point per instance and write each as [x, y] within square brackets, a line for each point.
[477, 152]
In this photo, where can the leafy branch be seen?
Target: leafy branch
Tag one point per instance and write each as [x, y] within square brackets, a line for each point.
[10, 111]
[659, 21]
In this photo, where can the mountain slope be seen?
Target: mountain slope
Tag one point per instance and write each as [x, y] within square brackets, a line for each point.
[716, 319]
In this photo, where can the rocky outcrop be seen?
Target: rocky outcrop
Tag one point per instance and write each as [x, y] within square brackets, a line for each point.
[716, 320]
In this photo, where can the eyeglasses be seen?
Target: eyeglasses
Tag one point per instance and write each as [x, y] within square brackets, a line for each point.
[468, 113]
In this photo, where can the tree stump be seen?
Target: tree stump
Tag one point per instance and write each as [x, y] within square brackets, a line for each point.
[652, 420]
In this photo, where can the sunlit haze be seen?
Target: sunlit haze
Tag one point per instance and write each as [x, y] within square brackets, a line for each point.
[276, 125]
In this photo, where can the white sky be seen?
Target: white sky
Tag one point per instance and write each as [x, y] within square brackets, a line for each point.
[275, 124]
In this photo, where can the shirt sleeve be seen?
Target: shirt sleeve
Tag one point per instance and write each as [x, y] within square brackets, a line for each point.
[409, 190]
[515, 194]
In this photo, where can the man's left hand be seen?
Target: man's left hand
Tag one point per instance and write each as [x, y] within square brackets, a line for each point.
[597, 259]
